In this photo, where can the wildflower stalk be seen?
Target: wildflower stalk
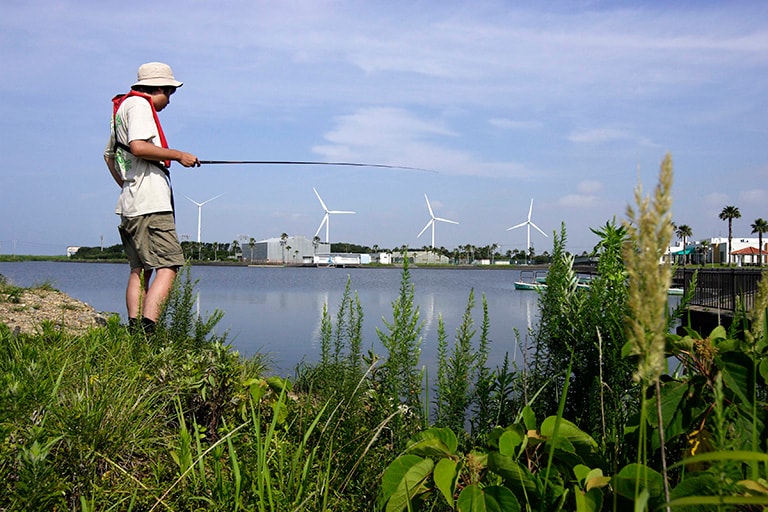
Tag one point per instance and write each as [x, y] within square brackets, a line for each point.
[650, 231]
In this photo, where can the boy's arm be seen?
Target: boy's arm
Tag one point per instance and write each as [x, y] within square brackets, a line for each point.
[148, 151]
[110, 161]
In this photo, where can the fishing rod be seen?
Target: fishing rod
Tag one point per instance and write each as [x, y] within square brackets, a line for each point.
[286, 162]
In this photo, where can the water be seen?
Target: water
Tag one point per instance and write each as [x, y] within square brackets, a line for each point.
[278, 310]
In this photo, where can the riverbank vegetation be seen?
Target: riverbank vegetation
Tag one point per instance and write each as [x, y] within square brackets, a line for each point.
[608, 411]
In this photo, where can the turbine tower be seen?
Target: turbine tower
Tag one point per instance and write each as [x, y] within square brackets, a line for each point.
[326, 218]
[432, 222]
[529, 224]
[200, 213]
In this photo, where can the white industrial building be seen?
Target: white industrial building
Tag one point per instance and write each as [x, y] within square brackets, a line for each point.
[294, 249]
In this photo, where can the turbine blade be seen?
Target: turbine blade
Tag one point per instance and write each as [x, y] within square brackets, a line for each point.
[425, 228]
[339, 211]
[322, 223]
[517, 226]
[446, 220]
[198, 204]
[530, 211]
[211, 199]
[320, 199]
[429, 207]
[540, 231]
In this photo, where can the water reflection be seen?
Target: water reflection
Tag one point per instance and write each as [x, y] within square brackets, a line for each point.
[279, 310]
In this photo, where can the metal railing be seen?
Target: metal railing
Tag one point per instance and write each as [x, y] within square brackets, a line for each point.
[724, 289]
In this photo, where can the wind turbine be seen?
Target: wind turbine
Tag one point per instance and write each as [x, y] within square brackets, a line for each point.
[529, 224]
[432, 222]
[326, 218]
[200, 213]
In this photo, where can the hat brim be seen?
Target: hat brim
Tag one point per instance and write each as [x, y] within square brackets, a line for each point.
[159, 82]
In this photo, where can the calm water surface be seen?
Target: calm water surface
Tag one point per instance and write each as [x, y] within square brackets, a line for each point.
[278, 310]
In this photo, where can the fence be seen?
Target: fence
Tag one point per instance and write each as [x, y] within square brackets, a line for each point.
[723, 289]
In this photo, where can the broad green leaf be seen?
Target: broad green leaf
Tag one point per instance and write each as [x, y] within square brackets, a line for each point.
[487, 499]
[562, 444]
[694, 485]
[736, 375]
[440, 442]
[529, 418]
[445, 475]
[581, 471]
[649, 480]
[508, 443]
[764, 370]
[410, 485]
[515, 475]
[676, 344]
[280, 410]
[277, 384]
[673, 394]
[395, 473]
[503, 497]
[471, 499]
[754, 486]
[597, 482]
[258, 388]
[591, 501]
[567, 430]
[718, 333]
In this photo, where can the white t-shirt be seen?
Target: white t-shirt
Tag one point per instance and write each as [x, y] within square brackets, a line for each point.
[146, 188]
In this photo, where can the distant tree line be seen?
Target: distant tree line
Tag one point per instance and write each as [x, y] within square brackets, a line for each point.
[238, 251]
[113, 252]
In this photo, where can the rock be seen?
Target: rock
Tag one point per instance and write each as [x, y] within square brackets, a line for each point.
[25, 310]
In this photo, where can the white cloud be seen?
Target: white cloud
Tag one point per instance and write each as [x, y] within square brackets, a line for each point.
[754, 196]
[578, 200]
[716, 200]
[598, 136]
[511, 124]
[589, 187]
[398, 137]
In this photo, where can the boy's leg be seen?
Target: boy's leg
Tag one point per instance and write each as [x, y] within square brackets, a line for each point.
[134, 291]
[158, 293]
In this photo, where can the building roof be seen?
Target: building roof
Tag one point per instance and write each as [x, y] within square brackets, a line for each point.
[747, 251]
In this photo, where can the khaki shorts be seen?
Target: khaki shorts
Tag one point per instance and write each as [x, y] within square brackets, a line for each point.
[150, 241]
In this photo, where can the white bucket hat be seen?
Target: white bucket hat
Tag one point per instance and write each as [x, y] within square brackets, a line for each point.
[156, 74]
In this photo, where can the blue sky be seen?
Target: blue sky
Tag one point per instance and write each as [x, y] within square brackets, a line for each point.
[567, 102]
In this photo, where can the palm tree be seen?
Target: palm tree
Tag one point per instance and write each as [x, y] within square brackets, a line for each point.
[684, 232]
[283, 241]
[760, 226]
[235, 247]
[252, 244]
[729, 213]
[705, 248]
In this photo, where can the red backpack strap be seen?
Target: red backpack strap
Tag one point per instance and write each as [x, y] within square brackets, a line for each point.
[117, 101]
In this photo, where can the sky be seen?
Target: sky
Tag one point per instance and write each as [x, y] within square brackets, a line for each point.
[570, 103]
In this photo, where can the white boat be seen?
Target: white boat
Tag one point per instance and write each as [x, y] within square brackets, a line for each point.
[530, 281]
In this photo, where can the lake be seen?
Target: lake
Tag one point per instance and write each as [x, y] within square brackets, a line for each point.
[278, 310]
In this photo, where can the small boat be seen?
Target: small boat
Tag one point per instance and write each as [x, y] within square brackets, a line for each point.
[523, 285]
[530, 281]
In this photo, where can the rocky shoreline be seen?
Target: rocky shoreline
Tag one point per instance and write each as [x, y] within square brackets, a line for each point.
[24, 310]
